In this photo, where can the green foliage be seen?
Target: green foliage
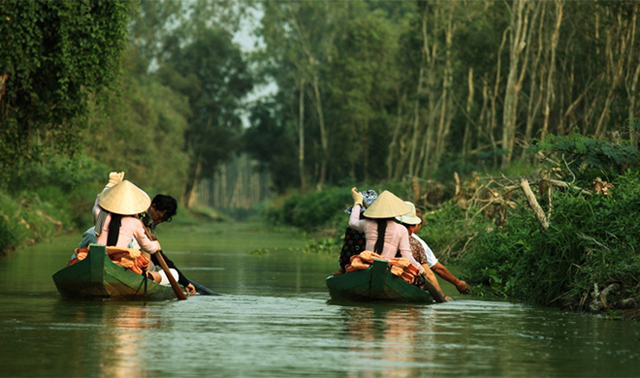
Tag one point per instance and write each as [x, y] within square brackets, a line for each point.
[62, 188]
[27, 218]
[587, 157]
[312, 210]
[446, 226]
[54, 56]
[326, 245]
[591, 240]
[7, 239]
[143, 134]
[218, 78]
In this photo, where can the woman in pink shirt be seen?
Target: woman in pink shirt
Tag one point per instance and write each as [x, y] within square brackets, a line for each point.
[383, 235]
[117, 222]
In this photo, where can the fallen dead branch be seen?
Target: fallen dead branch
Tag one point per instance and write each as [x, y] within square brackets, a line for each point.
[542, 218]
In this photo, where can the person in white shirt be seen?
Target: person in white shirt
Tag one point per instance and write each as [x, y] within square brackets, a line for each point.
[432, 261]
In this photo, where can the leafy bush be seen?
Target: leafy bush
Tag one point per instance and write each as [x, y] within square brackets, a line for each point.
[7, 239]
[446, 229]
[311, 210]
[591, 240]
[589, 158]
[65, 188]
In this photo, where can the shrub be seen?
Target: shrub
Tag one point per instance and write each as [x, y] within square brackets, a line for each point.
[591, 240]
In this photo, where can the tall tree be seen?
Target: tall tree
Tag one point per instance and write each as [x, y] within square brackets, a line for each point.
[518, 32]
[302, 35]
[213, 74]
[142, 133]
[363, 75]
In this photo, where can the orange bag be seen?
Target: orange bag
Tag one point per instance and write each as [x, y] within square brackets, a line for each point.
[129, 258]
[368, 256]
[358, 264]
[81, 254]
[403, 268]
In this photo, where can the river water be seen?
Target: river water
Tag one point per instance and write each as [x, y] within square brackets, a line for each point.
[274, 318]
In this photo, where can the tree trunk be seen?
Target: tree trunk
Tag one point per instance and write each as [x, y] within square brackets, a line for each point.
[632, 81]
[518, 26]
[535, 92]
[493, 118]
[303, 181]
[324, 137]
[552, 65]
[533, 203]
[617, 70]
[466, 139]
[445, 119]
[429, 54]
[633, 124]
[191, 196]
[414, 137]
[394, 138]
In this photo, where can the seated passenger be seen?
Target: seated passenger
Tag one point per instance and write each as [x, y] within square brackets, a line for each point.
[354, 241]
[117, 217]
[383, 235]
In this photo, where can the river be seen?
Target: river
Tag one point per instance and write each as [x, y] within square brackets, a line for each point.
[274, 318]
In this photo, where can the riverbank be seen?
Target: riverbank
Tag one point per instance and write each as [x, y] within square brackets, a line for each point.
[574, 248]
[530, 238]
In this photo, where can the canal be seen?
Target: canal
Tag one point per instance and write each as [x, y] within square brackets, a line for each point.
[274, 318]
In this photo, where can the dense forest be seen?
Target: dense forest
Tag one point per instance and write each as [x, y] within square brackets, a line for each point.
[367, 91]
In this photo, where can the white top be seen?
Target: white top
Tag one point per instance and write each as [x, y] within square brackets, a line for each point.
[431, 258]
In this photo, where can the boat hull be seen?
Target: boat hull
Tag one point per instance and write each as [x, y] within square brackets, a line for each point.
[375, 283]
[97, 277]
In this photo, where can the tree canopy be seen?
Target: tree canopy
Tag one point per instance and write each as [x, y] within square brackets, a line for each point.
[54, 56]
[375, 90]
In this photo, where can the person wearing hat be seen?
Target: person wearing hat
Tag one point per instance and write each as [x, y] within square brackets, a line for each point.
[117, 223]
[411, 222]
[432, 261]
[354, 241]
[383, 235]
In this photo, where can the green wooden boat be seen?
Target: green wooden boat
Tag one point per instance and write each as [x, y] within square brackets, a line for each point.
[375, 283]
[96, 277]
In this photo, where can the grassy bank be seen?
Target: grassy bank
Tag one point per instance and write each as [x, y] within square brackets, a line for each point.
[42, 200]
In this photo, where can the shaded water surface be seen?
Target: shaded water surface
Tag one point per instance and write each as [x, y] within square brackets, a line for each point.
[275, 319]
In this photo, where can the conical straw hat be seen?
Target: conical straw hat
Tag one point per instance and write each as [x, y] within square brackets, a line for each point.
[410, 218]
[124, 198]
[387, 205]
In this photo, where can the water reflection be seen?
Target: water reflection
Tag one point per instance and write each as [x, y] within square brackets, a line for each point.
[461, 338]
[123, 355]
[390, 338]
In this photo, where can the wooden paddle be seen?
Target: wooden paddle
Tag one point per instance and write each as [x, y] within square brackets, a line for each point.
[172, 280]
[165, 268]
[433, 291]
[203, 290]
